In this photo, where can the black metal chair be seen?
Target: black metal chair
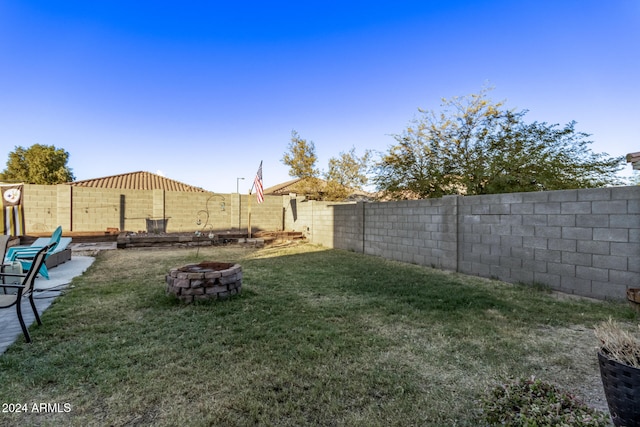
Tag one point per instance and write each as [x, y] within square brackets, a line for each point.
[24, 289]
[4, 241]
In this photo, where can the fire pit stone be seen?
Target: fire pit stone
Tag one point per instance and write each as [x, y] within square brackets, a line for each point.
[207, 280]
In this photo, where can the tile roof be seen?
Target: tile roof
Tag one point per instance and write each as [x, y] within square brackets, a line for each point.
[283, 188]
[137, 181]
[634, 159]
[288, 187]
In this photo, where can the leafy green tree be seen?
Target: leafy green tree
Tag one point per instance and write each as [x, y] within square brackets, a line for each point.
[346, 173]
[311, 187]
[349, 169]
[38, 164]
[475, 146]
[301, 157]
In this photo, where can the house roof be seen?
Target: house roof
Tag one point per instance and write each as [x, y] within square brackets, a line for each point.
[634, 159]
[138, 181]
[288, 187]
[282, 188]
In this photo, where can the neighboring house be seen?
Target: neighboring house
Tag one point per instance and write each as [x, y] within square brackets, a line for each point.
[314, 188]
[634, 159]
[283, 189]
[138, 181]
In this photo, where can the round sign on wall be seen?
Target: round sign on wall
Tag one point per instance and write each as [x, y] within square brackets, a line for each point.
[11, 195]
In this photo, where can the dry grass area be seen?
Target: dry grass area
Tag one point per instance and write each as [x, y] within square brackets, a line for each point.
[318, 337]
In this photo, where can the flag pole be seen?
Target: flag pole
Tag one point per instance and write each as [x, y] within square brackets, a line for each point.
[249, 210]
[259, 194]
[249, 214]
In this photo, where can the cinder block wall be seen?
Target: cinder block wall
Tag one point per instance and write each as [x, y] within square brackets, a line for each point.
[348, 226]
[40, 204]
[313, 218]
[323, 223]
[99, 209]
[421, 232]
[584, 242]
[268, 215]
[183, 210]
[81, 209]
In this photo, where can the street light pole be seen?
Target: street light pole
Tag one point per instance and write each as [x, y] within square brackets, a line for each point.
[239, 201]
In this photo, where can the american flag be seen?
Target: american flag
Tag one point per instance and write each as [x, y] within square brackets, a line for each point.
[258, 183]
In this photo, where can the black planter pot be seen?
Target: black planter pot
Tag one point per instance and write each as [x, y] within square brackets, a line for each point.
[622, 389]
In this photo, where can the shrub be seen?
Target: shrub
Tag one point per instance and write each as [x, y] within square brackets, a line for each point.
[532, 402]
[618, 344]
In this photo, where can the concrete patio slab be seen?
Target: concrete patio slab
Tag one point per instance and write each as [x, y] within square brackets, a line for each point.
[45, 292]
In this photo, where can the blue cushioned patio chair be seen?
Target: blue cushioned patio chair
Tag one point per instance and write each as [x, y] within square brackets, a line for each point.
[24, 290]
[25, 254]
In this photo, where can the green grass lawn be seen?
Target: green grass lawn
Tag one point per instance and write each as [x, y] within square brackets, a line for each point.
[317, 337]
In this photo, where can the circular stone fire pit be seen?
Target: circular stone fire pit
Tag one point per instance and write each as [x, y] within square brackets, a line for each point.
[207, 280]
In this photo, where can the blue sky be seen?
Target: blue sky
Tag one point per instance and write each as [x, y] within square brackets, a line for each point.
[204, 90]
